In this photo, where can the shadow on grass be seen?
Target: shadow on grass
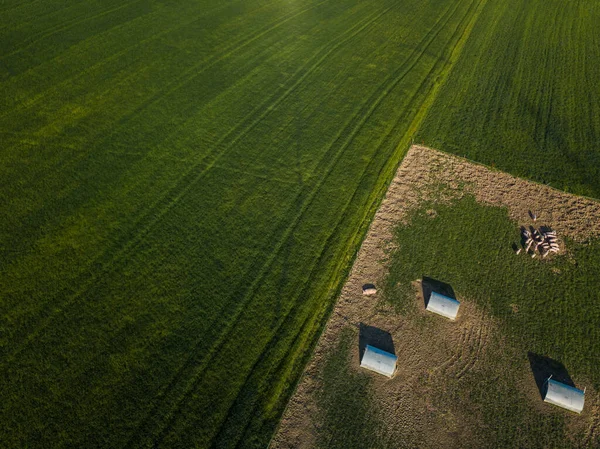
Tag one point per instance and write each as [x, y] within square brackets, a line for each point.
[347, 415]
[373, 336]
[430, 285]
[543, 367]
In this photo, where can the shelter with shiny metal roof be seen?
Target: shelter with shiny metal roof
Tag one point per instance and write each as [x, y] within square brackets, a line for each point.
[378, 360]
[443, 305]
[564, 395]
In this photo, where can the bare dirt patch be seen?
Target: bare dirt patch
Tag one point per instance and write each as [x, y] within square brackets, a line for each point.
[435, 354]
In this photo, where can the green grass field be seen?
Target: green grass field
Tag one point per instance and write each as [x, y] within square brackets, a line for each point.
[183, 186]
[524, 95]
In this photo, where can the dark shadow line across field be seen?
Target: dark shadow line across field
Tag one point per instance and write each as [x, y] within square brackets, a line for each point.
[365, 116]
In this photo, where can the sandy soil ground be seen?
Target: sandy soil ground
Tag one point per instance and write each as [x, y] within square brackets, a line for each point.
[411, 399]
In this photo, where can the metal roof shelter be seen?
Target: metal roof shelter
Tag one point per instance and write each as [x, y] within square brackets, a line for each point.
[443, 305]
[378, 360]
[564, 396]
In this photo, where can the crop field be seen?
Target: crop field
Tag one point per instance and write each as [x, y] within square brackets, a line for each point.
[524, 95]
[474, 382]
[183, 186]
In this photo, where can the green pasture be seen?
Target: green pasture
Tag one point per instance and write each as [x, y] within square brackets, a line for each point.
[348, 416]
[183, 186]
[525, 96]
[469, 246]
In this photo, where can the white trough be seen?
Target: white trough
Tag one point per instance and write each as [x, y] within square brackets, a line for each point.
[443, 305]
[564, 396]
[378, 360]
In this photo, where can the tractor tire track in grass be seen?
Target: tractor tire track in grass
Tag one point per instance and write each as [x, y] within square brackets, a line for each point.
[264, 270]
[382, 91]
[183, 185]
[470, 348]
[236, 46]
[592, 433]
[277, 337]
